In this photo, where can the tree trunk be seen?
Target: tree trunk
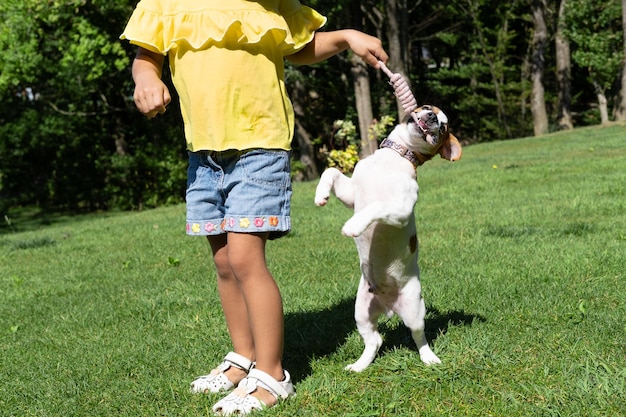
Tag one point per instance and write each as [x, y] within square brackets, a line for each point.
[563, 72]
[363, 102]
[620, 111]
[394, 9]
[302, 136]
[602, 103]
[307, 157]
[490, 58]
[537, 95]
[361, 82]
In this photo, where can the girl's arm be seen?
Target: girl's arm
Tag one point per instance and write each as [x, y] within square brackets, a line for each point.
[327, 44]
[151, 94]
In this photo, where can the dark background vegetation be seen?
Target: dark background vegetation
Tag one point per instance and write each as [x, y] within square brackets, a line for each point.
[72, 140]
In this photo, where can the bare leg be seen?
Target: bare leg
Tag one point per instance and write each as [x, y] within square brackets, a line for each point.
[233, 305]
[257, 319]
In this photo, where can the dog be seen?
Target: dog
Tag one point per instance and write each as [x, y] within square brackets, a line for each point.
[383, 192]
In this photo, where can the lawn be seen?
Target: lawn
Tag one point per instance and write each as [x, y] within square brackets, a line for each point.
[522, 254]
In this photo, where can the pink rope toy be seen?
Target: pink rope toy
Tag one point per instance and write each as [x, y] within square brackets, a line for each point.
[402, 91]
[409, 104]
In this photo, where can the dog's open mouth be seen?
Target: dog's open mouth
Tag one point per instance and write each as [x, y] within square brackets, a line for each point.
[428, 125]
[432, 137]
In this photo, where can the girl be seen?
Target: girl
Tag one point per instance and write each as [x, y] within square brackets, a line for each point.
[226, 60]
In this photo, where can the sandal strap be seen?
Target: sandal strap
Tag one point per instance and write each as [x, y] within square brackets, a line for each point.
[267, 382]
[239, 361]
[238, 403]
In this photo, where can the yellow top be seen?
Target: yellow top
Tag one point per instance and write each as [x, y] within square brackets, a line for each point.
[226, 59]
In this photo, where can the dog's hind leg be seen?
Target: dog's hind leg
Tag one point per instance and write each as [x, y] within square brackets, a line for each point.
[412, 314]
[367, 309]
[333, 179]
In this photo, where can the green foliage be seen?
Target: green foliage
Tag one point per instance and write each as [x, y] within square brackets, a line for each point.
[480, 63]
[89, 53]
[523, 279]
[140, 180]
[380, 128]
[69, 132]
[597, 42]
[344, 160]
[19, 43]
[346, 155]
[345, 132]
[298, 169]
[70, 136]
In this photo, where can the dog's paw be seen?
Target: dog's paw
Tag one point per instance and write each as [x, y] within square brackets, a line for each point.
[322, 194]
[354, 367]
[349, 231]
[428, 357]
[321, 199]
[353, 227]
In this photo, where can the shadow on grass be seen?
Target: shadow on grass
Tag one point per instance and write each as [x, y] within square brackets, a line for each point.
[310, 335]
[24, 219]
[437, 325]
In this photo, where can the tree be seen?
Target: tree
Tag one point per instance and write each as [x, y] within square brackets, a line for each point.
[539, 40]
[362, 91]
[67, 110]
[620, 111]
[598, 44]
[66, 89]
[363, 102]
[395, 17]
[477, 69]
[563, 71]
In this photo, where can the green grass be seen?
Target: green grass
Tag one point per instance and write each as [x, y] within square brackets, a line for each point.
[522, 251]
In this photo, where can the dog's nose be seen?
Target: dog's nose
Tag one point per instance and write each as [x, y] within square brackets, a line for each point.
[431, 117]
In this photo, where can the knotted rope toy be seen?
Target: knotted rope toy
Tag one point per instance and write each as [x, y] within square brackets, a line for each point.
[408, 102]
[402, 90]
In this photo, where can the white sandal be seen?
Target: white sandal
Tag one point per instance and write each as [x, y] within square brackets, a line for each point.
[241, 402]
[217, 381]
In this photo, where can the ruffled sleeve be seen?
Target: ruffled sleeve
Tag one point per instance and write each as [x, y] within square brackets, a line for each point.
[302, 23]
[145, 28]
[159, 25]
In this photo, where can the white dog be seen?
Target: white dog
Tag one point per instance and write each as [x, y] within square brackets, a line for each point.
[383, 192]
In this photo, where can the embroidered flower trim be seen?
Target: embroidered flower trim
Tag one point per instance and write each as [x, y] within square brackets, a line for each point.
[231, 222]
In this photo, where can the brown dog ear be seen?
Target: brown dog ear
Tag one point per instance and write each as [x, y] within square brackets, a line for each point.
[451, 149]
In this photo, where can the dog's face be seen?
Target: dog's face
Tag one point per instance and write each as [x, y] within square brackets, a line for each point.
[429, 133]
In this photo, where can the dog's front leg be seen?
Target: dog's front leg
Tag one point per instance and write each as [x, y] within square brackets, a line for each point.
[333, 179]
[366, 312]
[392, 213]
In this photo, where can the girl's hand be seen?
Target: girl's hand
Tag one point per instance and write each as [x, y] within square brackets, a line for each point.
[327, 44]
[369, 48]
[151, 94]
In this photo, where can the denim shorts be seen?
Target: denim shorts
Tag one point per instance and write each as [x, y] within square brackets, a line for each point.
[239, 191]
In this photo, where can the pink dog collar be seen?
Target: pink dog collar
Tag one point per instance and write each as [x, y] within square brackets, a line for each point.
[415, 158]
